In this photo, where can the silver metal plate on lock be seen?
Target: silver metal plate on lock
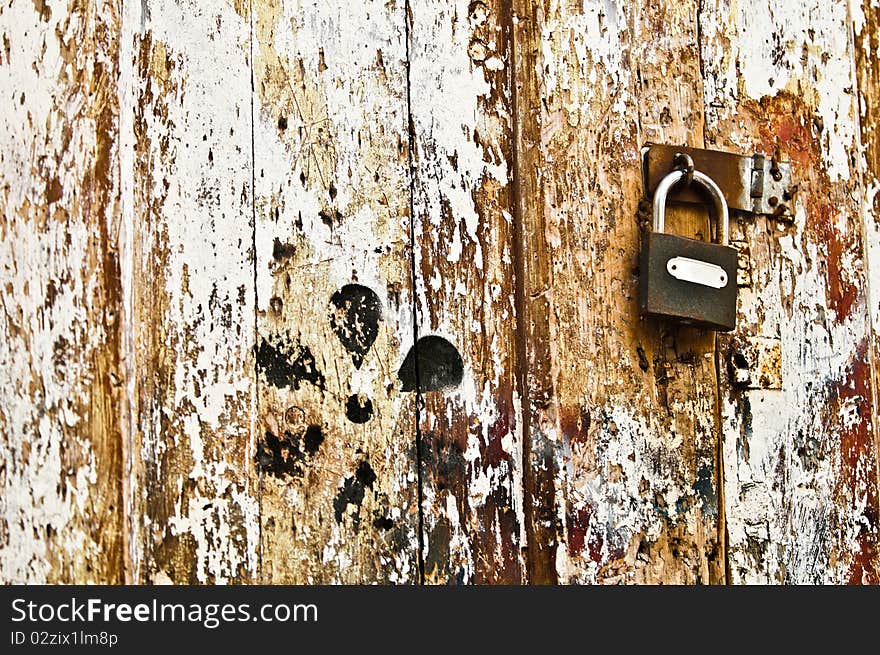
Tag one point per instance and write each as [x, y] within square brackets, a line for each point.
[697, 271]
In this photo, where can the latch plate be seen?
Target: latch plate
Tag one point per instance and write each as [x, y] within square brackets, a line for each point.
[756, 184]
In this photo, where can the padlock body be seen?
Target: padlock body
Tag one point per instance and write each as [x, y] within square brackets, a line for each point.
[682, 301]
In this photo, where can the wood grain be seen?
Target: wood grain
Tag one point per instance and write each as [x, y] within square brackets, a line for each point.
[326, 292]
[866, 38]
[799, 461]
[460, 75]
[619, 412]
[195, 514]
[60, 380]
[336, 449]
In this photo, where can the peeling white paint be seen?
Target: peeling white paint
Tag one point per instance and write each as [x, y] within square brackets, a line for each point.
[333, 182]
[52, 325]
[787, 519]
[203, 178]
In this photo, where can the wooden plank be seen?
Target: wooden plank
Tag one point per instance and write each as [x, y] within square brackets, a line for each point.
[336, 442]
[61, 458]
[799, 461]
[621, 448]
[461, 108]
[215, 269]
[866, 35]
[191, 309]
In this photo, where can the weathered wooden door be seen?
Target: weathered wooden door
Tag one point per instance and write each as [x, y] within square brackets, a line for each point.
[324, 292]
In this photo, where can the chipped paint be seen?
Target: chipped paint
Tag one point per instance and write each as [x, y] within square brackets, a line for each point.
[866, 38]
[460, 54]
[799, 460]
[59, 328]
[314, 292]
[330, 157]
[621, 412]
[193, 295]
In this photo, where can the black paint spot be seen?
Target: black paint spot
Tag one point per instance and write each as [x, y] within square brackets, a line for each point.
[358, 409]
[365, 474]
[287, 364]
[282, 123]
[352, 492]
[439, 364]
[284, 456]
[330, 218]
[738, 368]
[705, 488]
[746, 426]
[282, 250]
[355, 319]
[383, 523]
[643, 360]
[313, 439]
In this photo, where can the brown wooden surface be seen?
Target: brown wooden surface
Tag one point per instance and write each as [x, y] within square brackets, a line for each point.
[338, 486]
[866, 29]
[195, 514]
[226, 225]
[460, 88]
[800, 464]
[620, 412]
[61, 296]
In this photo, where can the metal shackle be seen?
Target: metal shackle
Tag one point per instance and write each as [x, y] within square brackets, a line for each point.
[702, 180]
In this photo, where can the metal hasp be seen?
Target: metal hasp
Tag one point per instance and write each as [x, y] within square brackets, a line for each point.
[686, 280]
[756, 184]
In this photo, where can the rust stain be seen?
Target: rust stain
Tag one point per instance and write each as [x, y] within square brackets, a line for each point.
[574, 423]
[842, 291]
[786, 126]
[858, 467]
[497, 540]
[578, 524]
[492, 452]
[783, 125]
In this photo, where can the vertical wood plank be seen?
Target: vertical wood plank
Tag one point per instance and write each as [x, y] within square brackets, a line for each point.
[461, 105]
[799, 461]
[61, 457]
[865, 20]
[192, 296]
[336, 441]
[620, 413]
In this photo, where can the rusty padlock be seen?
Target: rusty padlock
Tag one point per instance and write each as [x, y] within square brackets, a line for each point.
[685, 280]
